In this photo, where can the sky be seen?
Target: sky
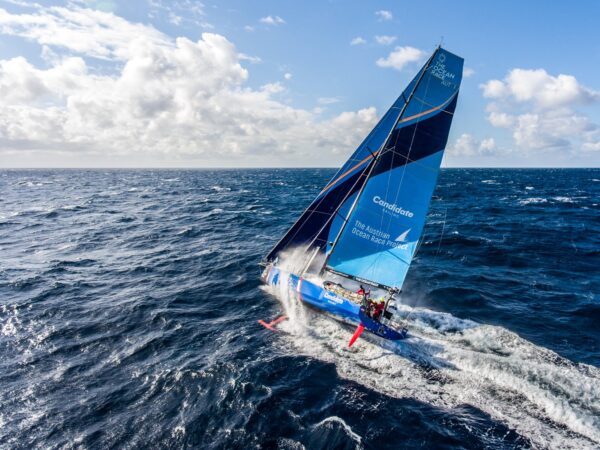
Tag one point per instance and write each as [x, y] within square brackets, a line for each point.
[156, 83]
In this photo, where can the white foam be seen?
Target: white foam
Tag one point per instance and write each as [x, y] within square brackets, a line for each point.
[347, 428]
[533, 200]
[448, 361]
[564, 199]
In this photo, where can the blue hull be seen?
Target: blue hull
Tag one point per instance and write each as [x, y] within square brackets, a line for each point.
[332, 303]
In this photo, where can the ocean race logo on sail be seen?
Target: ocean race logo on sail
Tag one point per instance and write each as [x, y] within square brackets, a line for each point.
[439, 70]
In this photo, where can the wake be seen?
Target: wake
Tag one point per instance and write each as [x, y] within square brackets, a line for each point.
[447, 362]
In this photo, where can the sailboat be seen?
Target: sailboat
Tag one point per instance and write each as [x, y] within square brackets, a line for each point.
[362, 230]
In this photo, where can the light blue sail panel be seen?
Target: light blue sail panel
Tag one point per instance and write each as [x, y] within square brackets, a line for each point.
[380, 237]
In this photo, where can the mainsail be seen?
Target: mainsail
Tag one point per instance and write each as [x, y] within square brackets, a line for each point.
[323, 218]
[377, 238]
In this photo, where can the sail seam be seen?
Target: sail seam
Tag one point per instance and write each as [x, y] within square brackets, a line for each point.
[352, 169]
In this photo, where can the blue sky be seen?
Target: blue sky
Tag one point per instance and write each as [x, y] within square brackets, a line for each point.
[286, 83]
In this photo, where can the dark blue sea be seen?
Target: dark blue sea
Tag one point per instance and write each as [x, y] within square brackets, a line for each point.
[129, 302]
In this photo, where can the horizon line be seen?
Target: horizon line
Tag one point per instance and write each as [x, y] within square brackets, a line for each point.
[269, 167]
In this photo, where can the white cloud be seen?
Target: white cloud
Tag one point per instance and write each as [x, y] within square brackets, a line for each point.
[175, 19]
[175, 99]
[493, 89]
[385, 40]
[178, 12]
[272, 20]
[327, 100]
[384, 15]
[84, 31]
[400, 57]
[539, 110]
[287, 76]
[467, 145]
[252, 59]
[358, 41]
[249, 28]
[553, 130]
[501, 119]
[468, 72]
[539, 87]
[591, 146]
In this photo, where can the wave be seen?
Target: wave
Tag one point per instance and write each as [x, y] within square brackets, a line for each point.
[533, 200]
[564, 199]
[448, 361]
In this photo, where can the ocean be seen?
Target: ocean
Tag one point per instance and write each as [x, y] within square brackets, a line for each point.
[129, 302]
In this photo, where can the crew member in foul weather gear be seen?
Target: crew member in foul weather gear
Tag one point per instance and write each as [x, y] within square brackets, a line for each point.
[378, 306]
[365, 296]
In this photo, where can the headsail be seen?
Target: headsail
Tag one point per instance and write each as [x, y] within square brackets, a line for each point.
[317, 222]
[380, 235]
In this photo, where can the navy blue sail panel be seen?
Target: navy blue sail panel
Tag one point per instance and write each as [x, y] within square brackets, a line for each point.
[315, 223]
[379, 240]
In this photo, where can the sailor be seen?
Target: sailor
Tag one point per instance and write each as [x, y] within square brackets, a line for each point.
[365, 296]
[378, 306]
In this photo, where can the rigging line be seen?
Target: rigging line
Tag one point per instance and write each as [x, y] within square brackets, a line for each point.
[410, 313]
[333, 180]
[364, 143]
[386, 146]
[407, 157]
[442, 236]
[374, 162]
[416, 161]
[311, 211]
[350, 192]
[413, 135]
[410, 147]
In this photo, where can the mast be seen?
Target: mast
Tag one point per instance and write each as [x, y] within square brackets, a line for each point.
[378, 155]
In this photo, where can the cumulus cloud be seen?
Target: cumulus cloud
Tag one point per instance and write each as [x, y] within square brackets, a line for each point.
[358, 41]
[384, 15]
[385, 40]
[174, 98]
[272, 20]
[400, 57]
[85, 31]
[540, 111]
[467, 145]
[540, 88]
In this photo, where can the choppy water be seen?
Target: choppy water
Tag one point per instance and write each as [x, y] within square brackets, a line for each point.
[129, 301]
